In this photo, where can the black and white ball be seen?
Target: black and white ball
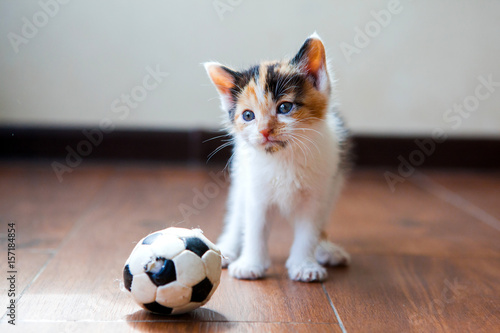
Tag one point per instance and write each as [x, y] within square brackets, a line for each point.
[173, 271]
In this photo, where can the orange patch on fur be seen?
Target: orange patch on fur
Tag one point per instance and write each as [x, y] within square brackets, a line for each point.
[249, 91]
[315, 106]
[316, 56]
[222, 80]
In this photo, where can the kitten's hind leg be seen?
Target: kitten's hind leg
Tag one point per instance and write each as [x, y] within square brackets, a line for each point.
[328, 253]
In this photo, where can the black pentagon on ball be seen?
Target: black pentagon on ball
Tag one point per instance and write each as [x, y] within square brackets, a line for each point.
[201, 290]
[196, 245]
[165, 274]
[158, 308]
[151, 238]
[127, 278]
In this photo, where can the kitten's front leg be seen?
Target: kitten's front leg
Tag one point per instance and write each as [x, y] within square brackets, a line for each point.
[254, 258]
[302, 264]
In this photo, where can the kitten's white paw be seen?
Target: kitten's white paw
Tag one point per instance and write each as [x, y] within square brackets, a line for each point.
[246, 270]
[307, 271]
[328, 253]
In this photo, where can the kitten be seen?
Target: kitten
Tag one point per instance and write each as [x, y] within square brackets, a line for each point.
[289, 153]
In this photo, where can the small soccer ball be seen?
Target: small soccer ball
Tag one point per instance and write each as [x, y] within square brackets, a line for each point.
[173, 271]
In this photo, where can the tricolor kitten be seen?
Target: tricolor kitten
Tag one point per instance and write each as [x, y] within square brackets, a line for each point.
[289, 153]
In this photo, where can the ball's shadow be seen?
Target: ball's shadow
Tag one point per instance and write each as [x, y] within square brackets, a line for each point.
[143, 320]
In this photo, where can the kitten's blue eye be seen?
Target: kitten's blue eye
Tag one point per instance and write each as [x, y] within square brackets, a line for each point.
[285, 107]
[248, 115]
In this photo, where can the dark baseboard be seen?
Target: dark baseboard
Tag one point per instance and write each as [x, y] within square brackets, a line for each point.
[192, 146]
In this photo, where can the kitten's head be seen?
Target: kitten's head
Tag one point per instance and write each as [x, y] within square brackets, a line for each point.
[271, 105]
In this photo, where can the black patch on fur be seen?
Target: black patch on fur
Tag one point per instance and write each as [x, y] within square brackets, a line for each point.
[279, 84]
[195, 245]
[201, 290]
[158, 308]
[127, 278]
[241, 79]
[271, 68]
[231, 113]
[300, 55]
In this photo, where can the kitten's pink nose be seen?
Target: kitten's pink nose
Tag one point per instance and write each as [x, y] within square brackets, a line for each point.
[265, 133]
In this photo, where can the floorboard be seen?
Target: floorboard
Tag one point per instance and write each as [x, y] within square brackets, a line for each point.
[421, 262]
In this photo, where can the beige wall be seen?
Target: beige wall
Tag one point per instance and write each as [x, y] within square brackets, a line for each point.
[76, 67]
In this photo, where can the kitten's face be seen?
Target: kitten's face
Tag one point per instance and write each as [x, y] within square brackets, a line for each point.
[272, 106]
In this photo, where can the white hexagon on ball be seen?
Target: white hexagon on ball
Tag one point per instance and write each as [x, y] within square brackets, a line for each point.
[168, 246]
[174, 294]
[143, 290]
[213, 265]
[173, 271]
[190, 268]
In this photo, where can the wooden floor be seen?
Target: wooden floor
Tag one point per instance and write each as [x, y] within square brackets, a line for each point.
[426, 258]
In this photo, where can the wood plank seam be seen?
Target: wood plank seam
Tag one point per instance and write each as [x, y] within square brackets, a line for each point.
[339, 320]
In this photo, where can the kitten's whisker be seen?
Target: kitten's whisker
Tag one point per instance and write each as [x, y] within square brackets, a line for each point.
[228, 161]
[294, 132]
[302, 144]
[309, 118]
[218, 149]
[284, 92]
[289, 78]
[297, 136]
[295, 129]
[293, 153]
[308, 129]
[216, 137]
[297, 142]
[288, 88]
[306, 146]
[308, 139]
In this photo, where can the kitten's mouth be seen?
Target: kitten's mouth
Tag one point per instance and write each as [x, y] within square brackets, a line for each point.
[273, 146]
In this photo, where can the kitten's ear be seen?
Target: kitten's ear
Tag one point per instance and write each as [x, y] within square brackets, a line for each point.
[224, 80]
[311, 58]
